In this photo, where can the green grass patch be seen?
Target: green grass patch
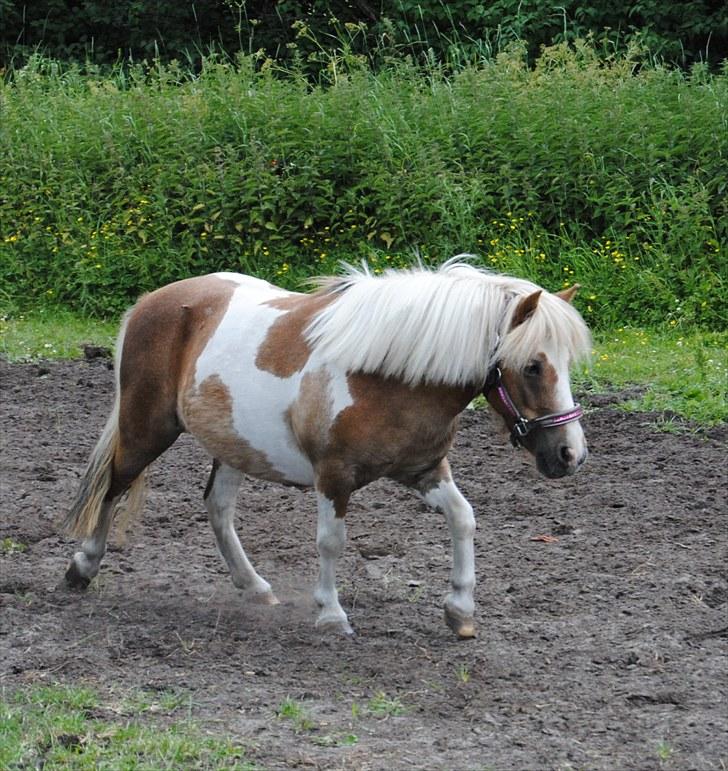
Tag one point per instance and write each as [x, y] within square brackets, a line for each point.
[58, 727]
[684, 374]
[381, 706]
[52, 334]
[9, 546]
[295, 712]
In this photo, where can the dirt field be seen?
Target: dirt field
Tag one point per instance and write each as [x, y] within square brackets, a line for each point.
[603, 649]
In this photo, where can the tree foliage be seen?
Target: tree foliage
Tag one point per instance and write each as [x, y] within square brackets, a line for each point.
[103, 31]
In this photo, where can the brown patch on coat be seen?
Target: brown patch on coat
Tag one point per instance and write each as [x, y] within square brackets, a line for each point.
[209, 416]
[165, 333]
[287, 302]
[432, 479]
[309, 417]
[391, 430]
[285, 350]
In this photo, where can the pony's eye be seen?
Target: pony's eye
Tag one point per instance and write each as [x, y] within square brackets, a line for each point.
[532, 369]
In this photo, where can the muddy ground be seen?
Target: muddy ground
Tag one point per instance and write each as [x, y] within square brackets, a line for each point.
[602, 648]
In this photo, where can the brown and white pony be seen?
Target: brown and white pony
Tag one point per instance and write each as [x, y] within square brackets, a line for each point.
[364, 378]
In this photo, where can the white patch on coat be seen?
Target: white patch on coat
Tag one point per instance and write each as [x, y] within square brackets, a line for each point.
[253, 283]
[260, 399]
[330, 541]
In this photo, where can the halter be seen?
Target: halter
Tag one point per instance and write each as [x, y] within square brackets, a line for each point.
[523, 426]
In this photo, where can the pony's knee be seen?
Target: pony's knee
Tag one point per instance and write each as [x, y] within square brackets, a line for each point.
[462, 519]
[330, 539]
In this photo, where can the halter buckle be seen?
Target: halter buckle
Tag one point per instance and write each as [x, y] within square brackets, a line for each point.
[521, 428]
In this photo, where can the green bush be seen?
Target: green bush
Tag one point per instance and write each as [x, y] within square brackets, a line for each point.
[579, 169]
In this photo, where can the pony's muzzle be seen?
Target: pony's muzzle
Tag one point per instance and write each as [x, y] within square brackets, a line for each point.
[566, 461]
[571, 459]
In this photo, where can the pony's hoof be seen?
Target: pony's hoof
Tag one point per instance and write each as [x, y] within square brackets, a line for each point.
[336, 627]
[265, 598]
[74, 579]
[463, 626]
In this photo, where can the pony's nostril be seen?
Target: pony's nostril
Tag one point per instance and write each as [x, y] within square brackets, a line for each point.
[568, 456]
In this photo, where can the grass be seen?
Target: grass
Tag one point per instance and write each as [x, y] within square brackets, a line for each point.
[162, 702]
[60, 727]
[463, 674]
[293, 711]
[381, 706]
[52, 334]
[680, 373]
[297, 715]
[9, 546]
[684, 374]
[664, 752]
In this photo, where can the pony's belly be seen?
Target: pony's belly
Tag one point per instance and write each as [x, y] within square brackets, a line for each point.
[279, 458]
[283, 465]
[250, 434]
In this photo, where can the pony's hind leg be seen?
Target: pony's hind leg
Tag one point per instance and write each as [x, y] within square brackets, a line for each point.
[85, 563]
[104, 485]
[142, 425]
[220, 497]
[438, 489]
[125, 475]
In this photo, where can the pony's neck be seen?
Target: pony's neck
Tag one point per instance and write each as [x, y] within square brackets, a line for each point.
[446, 399]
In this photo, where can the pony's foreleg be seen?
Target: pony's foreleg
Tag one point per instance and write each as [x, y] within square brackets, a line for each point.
[441, 492]
[220, 498]
[85, 563]
[330, 541]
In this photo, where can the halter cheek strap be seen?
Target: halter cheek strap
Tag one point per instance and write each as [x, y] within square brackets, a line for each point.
[523, 426]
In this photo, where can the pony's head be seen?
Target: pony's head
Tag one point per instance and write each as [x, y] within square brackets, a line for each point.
[529, 383]
[462, 326]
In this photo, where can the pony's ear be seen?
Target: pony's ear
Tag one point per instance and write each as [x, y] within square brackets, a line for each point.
[567, 295]
[526, 307]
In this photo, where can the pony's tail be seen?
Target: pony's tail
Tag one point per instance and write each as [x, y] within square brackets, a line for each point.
[83, 516]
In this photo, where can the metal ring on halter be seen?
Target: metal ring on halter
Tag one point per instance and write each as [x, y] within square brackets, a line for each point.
[523, 426]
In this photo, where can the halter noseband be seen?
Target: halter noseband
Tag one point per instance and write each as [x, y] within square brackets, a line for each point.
[523, 426]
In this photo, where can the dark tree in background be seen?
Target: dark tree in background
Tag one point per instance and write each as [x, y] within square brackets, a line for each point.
[107, 31]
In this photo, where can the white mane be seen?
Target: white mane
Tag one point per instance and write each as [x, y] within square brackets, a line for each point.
[447, 326]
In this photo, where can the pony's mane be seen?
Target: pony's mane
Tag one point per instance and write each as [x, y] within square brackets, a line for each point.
[448, 326]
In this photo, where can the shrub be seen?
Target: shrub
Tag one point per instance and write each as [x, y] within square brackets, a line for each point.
[583, 170]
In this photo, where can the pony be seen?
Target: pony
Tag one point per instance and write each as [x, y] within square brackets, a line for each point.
[364, 377]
